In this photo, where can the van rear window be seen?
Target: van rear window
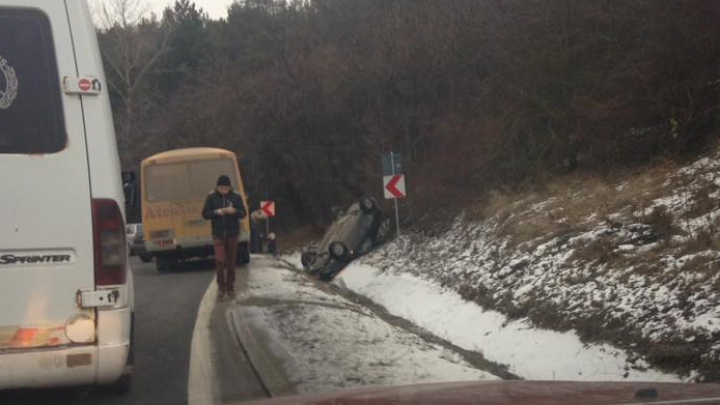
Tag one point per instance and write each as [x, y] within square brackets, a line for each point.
[186, 181]
[31, 113]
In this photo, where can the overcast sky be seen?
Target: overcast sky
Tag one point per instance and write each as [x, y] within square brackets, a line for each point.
[215, 8]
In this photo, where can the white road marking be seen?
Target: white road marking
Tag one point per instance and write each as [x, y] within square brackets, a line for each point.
[203, 386]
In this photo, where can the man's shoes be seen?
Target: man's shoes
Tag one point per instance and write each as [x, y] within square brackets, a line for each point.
[221, 295]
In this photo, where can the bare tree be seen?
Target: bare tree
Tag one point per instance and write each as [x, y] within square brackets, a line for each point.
[125, 13]
[132, 46]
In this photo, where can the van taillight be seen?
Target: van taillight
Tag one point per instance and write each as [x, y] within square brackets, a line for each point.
[110, 244]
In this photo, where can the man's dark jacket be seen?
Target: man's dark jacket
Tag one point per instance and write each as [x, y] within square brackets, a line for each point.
[224, 226]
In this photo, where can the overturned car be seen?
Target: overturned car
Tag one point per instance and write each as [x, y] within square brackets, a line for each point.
[352, 235]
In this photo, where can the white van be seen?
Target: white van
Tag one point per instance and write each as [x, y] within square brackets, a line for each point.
[66, 291]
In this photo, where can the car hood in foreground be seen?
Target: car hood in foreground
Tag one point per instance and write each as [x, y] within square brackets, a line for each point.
[515, 393]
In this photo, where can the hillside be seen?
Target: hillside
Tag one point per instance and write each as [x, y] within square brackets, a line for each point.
[633, 262]
[311, 94]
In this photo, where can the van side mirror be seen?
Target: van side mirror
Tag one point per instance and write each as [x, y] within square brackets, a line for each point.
[130, 188]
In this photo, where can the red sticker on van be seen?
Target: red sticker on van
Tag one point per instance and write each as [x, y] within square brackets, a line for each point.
[85, 85]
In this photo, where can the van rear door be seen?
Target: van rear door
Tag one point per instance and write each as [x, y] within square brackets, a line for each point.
[46, 229]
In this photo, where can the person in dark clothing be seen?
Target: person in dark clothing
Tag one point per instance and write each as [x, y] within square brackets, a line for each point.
[255, 233]
[225, 208]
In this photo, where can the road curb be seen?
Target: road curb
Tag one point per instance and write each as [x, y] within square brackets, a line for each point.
[261, 358]
[203, 388]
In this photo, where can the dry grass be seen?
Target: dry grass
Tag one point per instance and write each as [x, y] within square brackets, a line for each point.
[662, 222]
[700, 242]
[573, 204]
[600, 250]
[702, 203]
[705, 239]
[586, 193]
[676, 355]
[708, 266]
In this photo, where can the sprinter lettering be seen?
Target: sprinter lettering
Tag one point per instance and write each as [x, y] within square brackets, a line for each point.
[12, 259]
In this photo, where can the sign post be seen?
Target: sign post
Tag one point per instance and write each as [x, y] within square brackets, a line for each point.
[268, 210]
[397, 210]
[394, 182]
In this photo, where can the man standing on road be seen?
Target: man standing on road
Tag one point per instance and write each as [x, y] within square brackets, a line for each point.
[225, 208]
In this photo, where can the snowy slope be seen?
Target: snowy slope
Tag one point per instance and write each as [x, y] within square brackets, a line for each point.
[634, 263]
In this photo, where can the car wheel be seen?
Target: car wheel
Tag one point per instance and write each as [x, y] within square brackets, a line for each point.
[307, 258]
[179, 264]
[367, 204]
[146, 257]
[339, 251]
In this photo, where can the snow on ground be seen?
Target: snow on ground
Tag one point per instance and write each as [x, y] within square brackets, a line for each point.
[329, 342]
[531, 353]
[293, 259]
[633, 263]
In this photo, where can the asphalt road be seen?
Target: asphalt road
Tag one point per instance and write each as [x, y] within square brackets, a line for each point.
[166, 308]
